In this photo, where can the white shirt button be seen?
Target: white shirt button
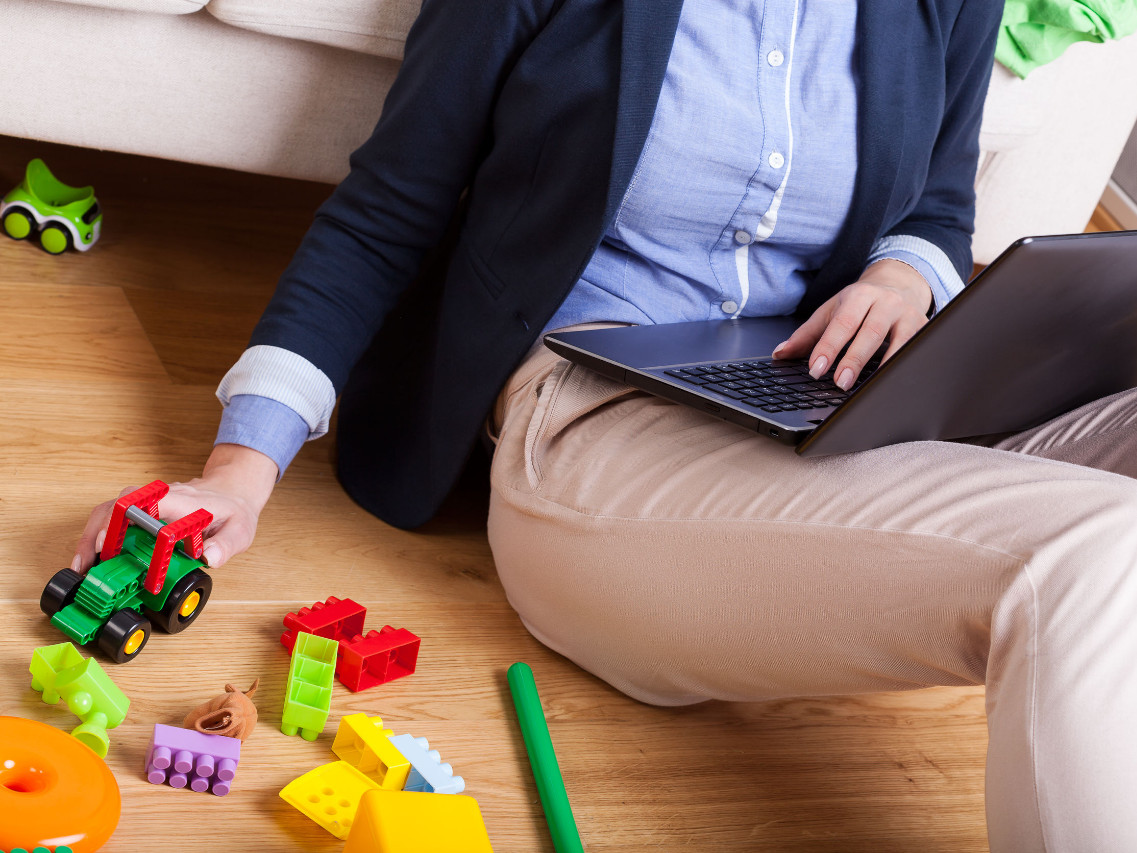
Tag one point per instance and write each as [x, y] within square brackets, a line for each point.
[777, 160]
[729, 307]
[742, 237]
[775, 58]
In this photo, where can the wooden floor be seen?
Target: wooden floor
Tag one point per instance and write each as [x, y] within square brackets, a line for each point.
[108, 363]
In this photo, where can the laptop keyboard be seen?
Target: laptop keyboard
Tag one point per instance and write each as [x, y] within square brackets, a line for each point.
[772, 386]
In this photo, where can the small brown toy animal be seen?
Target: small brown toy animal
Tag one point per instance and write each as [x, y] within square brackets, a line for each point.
[232, 714]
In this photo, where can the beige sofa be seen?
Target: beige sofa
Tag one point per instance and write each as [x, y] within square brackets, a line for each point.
[280, 87]
[290, 87]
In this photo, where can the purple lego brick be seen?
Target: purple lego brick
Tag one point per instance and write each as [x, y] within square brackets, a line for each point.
[185, 758]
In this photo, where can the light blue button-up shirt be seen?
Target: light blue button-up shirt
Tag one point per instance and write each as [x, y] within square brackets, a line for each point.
[741, 189]
[747, 173]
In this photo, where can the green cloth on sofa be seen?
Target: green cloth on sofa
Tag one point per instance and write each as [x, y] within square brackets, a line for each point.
[1034, 32]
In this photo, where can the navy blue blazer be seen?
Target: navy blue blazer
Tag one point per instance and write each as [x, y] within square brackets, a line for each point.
[503, 150]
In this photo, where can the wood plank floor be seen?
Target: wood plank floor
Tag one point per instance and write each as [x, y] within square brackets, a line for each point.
[108, 363]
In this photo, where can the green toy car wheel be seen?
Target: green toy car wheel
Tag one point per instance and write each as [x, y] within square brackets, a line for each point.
[124, 635]
[18, 224]
[186, 601]
[60, 591]
[55, 239]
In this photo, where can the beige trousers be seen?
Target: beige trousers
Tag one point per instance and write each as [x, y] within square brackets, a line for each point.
[681, 558]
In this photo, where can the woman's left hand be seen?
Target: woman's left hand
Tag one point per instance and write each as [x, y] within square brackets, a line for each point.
[890, 300]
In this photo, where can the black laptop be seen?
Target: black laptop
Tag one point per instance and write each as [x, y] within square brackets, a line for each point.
[1047, 327]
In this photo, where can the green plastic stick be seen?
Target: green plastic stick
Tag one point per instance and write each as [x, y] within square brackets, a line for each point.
[550, 785]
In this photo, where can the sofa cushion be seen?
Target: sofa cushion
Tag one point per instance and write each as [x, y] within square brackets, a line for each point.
[1015, 109]
[161, 7]
[377, 27]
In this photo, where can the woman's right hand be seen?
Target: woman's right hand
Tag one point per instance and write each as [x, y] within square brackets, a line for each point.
[234, 485]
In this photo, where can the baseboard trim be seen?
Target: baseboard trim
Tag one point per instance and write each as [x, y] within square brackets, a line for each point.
[1120, 206]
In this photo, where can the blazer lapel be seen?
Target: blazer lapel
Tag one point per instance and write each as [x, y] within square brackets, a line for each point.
[648, 32]
[883, 28]
[882, 32]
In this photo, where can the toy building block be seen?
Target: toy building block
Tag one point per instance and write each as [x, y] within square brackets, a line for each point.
[428, 772]
[183, 758]
[363, 743]
[407, 822]
[41, 850]
[61, 672]
[145, 498]
[308, 694]
[190, 531]
[377, 658]
[329, 795]
[334, 619]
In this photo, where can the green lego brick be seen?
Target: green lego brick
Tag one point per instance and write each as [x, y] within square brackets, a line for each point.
[109, 586]
[47, 663]
[61, 672]
[308, 694]
[77, 624]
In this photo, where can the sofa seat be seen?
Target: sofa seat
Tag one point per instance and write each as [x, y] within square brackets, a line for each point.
[186, 87]
[377, 28]
[154, 7]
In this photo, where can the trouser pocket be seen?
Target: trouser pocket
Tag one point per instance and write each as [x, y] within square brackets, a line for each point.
[567, 394]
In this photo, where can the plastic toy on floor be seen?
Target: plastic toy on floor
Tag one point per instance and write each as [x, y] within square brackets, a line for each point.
[429, 773]
[364, 660]
[365, 744]
[377, 657]
[61, 672]
[542, 758]
[308, 692]
[148, 573]
[370, 758]
[183, 758]
[409, 822]
[335, 619]
[329, 795]
[63, 217]
[53, 790]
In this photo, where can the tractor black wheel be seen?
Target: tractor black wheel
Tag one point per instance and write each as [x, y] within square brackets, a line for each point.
[124, 635]
[186, 601]
[60, 591]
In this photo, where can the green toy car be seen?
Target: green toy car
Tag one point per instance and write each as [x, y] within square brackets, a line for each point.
[65, 217]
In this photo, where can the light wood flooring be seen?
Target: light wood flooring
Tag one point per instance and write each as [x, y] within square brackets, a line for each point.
[108, 363]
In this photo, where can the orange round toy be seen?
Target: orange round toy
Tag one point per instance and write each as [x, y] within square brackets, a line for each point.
[54, 790]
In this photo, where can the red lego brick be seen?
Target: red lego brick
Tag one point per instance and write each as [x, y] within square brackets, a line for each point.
[146, 499]
[190, 530]
[377, 658]
[334, 619]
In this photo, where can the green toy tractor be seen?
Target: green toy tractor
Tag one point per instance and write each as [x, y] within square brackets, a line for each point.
[140, 580]
[65, 217]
